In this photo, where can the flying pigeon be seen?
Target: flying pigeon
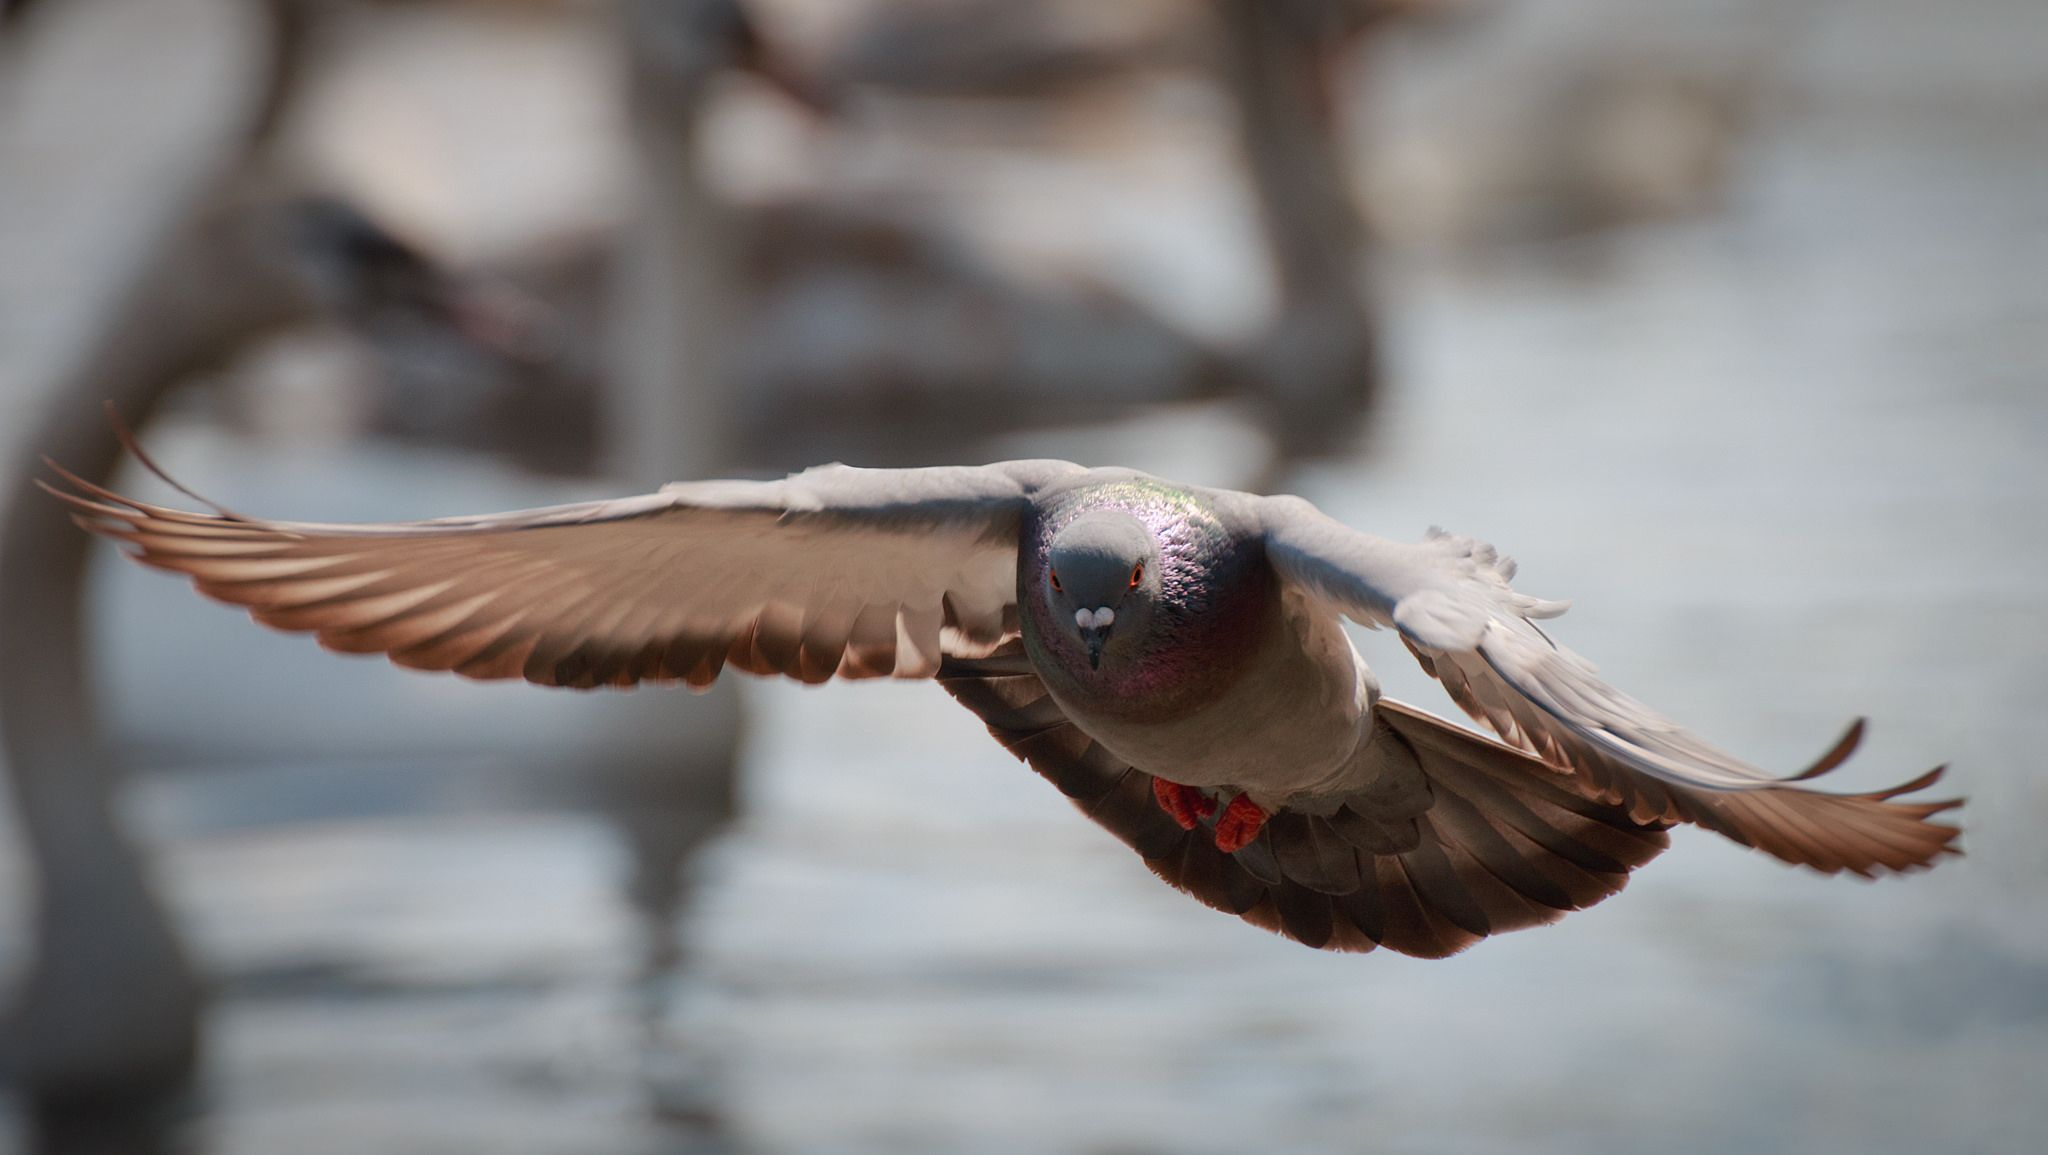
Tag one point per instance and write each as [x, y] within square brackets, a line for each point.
[1171, 657]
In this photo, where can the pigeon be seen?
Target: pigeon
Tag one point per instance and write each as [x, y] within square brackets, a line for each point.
[1172, 658]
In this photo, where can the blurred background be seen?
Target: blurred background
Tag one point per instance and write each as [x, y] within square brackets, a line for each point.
[1727, 317]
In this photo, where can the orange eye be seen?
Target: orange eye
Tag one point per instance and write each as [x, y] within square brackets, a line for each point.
[1056, 581]
[1137, 574]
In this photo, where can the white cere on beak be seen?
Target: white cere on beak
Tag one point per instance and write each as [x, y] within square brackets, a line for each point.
[1095, 618]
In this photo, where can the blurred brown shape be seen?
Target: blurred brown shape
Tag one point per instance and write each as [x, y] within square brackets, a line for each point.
[1320, 360]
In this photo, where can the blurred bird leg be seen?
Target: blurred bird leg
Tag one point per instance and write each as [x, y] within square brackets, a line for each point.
[1319, 362]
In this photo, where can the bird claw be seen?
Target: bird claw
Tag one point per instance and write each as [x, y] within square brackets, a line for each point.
[1184, 804]
[1241, 822]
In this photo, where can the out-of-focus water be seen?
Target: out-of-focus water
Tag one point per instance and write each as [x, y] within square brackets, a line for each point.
[1792, 464]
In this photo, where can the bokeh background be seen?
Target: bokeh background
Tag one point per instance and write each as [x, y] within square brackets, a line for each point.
[1727, 317]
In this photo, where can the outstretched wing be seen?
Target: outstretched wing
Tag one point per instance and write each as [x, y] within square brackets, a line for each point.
[1449, 597]
[1450, 837]
[834, 571]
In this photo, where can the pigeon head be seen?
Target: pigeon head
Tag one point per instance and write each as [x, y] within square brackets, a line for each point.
[1102, 578]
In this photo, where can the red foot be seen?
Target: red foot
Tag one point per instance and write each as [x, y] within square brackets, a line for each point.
[1187, 805]
[1240, 823]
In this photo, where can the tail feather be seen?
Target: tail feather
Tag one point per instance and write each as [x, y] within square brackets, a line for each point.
[1453, 837]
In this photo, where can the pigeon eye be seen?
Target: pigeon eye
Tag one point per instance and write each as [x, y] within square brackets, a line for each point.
[1056, 581]
[1137, 574]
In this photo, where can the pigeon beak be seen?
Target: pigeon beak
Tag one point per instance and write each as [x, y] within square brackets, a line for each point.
[1094, 626]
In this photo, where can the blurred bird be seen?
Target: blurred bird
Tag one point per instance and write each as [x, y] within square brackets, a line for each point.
[1170, 657]
[864, 335]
